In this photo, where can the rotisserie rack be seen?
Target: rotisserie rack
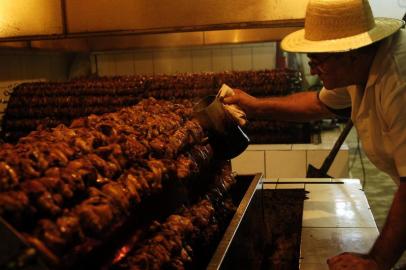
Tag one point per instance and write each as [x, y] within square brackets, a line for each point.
[102, 175]
[144, 172]
[48, 104]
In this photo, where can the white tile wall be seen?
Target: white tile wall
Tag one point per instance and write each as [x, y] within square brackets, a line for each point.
[143, 62]
[5, 67]
[59, 64]
[39, 66]
[222, 59]
[163, 61]
[124, 64]
[250, 162]
[183, 60]
[292, 160]
[270, 147]
[241, 58]
[25, 65]
[339, 168]
[106, 65]
[264, 56]
[189, 59]
[202, 60]
[287, 160]
[285, 163]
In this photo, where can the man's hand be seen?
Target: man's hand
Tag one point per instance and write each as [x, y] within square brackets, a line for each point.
[245, 101]
[352, 261]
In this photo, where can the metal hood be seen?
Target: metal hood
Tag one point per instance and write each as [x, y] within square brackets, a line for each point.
[123, 24]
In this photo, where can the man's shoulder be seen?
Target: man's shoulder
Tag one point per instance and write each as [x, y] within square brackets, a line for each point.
[395, 56]
[399, 41]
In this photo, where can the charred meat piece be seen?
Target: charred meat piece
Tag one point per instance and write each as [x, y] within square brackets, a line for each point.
[159, 250]
[133, 148]
[38, 156]
[49, 233]
[83, 169]
[96, 213]
[56, 157]
[155, 174]
[49, 204]
[118, 194]
[53, 180]
[8, 176]
[195, 131]
[15, 206]
[139, 175]
[28, 168]
[134, 188]
[107, 169]
[70, 229]
[42, 197]
[114, 154]
[185, 166]
[73, 180]
[159, 146]
[202, 155]
[82, 145]
[107, 130]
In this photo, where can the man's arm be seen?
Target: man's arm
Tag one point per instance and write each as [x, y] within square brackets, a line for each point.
[303, 106]
[391, 242]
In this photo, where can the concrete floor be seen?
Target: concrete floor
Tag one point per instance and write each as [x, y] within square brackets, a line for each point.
[378, 186]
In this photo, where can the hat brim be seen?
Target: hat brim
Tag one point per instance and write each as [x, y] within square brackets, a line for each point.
[384, 27]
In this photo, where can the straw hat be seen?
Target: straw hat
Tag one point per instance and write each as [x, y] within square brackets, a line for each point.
[338, 26]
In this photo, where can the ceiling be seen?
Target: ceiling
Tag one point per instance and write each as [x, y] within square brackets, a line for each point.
[99, 25]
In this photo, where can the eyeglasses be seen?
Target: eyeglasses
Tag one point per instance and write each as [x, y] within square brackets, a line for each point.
[318, 59]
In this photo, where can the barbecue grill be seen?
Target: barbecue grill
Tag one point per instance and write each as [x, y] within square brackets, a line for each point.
[254, 234]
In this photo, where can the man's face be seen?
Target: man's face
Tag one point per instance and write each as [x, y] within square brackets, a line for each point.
[334, 69]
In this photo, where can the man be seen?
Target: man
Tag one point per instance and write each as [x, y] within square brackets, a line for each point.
[362, 63]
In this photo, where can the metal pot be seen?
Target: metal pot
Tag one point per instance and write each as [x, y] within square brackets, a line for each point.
[225, 135]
